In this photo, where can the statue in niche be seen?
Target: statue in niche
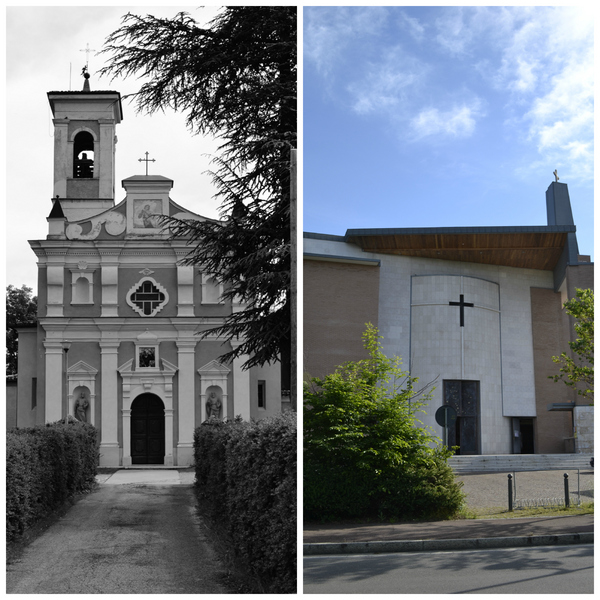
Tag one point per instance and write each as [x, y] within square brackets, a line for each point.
[213, 405]
[81, 406]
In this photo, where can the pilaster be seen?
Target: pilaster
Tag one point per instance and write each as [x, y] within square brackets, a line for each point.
[55, 373]
[186, 352]
[241, 386]
[109, 442]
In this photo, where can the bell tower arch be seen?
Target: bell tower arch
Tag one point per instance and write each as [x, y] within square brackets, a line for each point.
[84, 149]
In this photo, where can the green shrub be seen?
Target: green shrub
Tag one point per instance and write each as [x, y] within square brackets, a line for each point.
[366, 454]
[247, 473]
[44, 467]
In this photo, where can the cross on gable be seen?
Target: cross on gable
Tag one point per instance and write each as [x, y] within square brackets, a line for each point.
[462, 305]
[146, 160]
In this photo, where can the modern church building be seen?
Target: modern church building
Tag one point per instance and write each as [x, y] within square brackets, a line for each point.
[117, 339]
[477, 310]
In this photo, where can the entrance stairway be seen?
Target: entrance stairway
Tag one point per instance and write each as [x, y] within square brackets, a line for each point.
[518, 462]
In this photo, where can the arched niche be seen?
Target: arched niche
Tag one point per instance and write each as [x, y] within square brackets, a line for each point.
[82, 376]
[213, 376]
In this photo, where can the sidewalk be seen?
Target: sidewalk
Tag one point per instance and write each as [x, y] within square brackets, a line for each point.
[448, 535]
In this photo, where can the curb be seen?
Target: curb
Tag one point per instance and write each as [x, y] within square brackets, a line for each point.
[322, 548]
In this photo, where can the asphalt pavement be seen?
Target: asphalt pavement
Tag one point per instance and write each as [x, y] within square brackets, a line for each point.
[138, 533]
[536, 570]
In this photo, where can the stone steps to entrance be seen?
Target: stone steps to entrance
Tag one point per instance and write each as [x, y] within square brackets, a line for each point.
[518, 462]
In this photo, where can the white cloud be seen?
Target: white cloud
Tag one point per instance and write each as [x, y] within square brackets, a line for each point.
[387, 83]
[329, 31]
[457, 122]
[413, 26]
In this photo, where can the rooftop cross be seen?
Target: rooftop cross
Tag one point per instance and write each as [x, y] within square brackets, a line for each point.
[87, 51]
[146, 160]
[556, 174]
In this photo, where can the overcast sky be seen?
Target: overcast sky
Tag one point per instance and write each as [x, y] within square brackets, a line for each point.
[44, 53]
[446, 116]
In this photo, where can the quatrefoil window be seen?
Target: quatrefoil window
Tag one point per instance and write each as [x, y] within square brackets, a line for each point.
[147, 297]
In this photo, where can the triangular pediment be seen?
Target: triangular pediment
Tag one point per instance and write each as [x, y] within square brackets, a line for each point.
[214, 367]
[82, 367]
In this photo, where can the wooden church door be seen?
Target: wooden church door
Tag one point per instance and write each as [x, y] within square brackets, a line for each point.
[463, 396]
[147, 430]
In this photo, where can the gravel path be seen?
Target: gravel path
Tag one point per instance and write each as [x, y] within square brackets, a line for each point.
[491, 490]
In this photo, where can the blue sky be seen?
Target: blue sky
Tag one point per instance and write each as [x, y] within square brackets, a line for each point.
[446, 116]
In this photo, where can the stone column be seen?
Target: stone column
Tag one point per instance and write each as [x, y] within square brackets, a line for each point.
[55, 375]
[186, 353]
[109, 442]
[241, 387]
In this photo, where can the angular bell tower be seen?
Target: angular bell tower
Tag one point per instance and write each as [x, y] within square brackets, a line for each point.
[84, 149]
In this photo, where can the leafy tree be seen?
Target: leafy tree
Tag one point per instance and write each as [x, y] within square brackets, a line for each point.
[366, 454]
[235, 79]
[21, 308]
[578, 372]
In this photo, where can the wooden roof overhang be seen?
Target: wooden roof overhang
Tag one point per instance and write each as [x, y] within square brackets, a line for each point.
[523, 247]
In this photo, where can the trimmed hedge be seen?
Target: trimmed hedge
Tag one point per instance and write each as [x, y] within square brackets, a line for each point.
[246, 476]
[45, 466]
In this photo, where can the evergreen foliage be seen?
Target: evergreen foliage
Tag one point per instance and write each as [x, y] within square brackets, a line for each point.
[21, 308]
[44, 467]
[235, 79]
[578, 372]
[366, 454]
[246, 477]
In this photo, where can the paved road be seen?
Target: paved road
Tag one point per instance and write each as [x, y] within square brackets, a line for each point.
[124, 538]
[541, 570]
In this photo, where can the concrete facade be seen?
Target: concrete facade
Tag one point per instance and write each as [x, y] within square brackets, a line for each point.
[513, 319]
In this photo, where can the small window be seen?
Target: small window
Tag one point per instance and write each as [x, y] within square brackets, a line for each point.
[33, 392]
[147, 297]
[147, 357]
[262, 394]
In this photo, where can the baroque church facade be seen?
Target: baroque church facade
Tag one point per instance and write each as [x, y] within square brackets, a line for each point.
[117, 340]
[475, 310]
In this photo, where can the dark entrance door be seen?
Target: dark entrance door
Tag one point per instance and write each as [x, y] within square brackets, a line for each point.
[463, 396]
[147, 430]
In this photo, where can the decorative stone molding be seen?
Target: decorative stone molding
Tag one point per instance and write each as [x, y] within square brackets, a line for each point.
[155, 306]
[79, 295]
[159, 383]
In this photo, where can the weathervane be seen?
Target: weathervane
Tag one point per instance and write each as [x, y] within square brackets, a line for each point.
[146, 160]
[556, 174]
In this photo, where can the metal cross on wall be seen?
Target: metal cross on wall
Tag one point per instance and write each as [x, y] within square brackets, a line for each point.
[146, 160]
[462, 305]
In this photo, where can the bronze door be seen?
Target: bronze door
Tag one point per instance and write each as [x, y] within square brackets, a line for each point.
[463, 396]
[147, 430]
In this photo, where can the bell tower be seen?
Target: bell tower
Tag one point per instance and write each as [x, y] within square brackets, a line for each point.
[84, 149]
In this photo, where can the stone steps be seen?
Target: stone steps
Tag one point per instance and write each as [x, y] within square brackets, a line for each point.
[518, 462]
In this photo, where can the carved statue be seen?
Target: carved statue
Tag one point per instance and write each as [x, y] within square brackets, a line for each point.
[213, 406]
[81, 405]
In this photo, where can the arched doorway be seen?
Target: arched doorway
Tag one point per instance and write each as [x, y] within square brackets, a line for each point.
[147, 430]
